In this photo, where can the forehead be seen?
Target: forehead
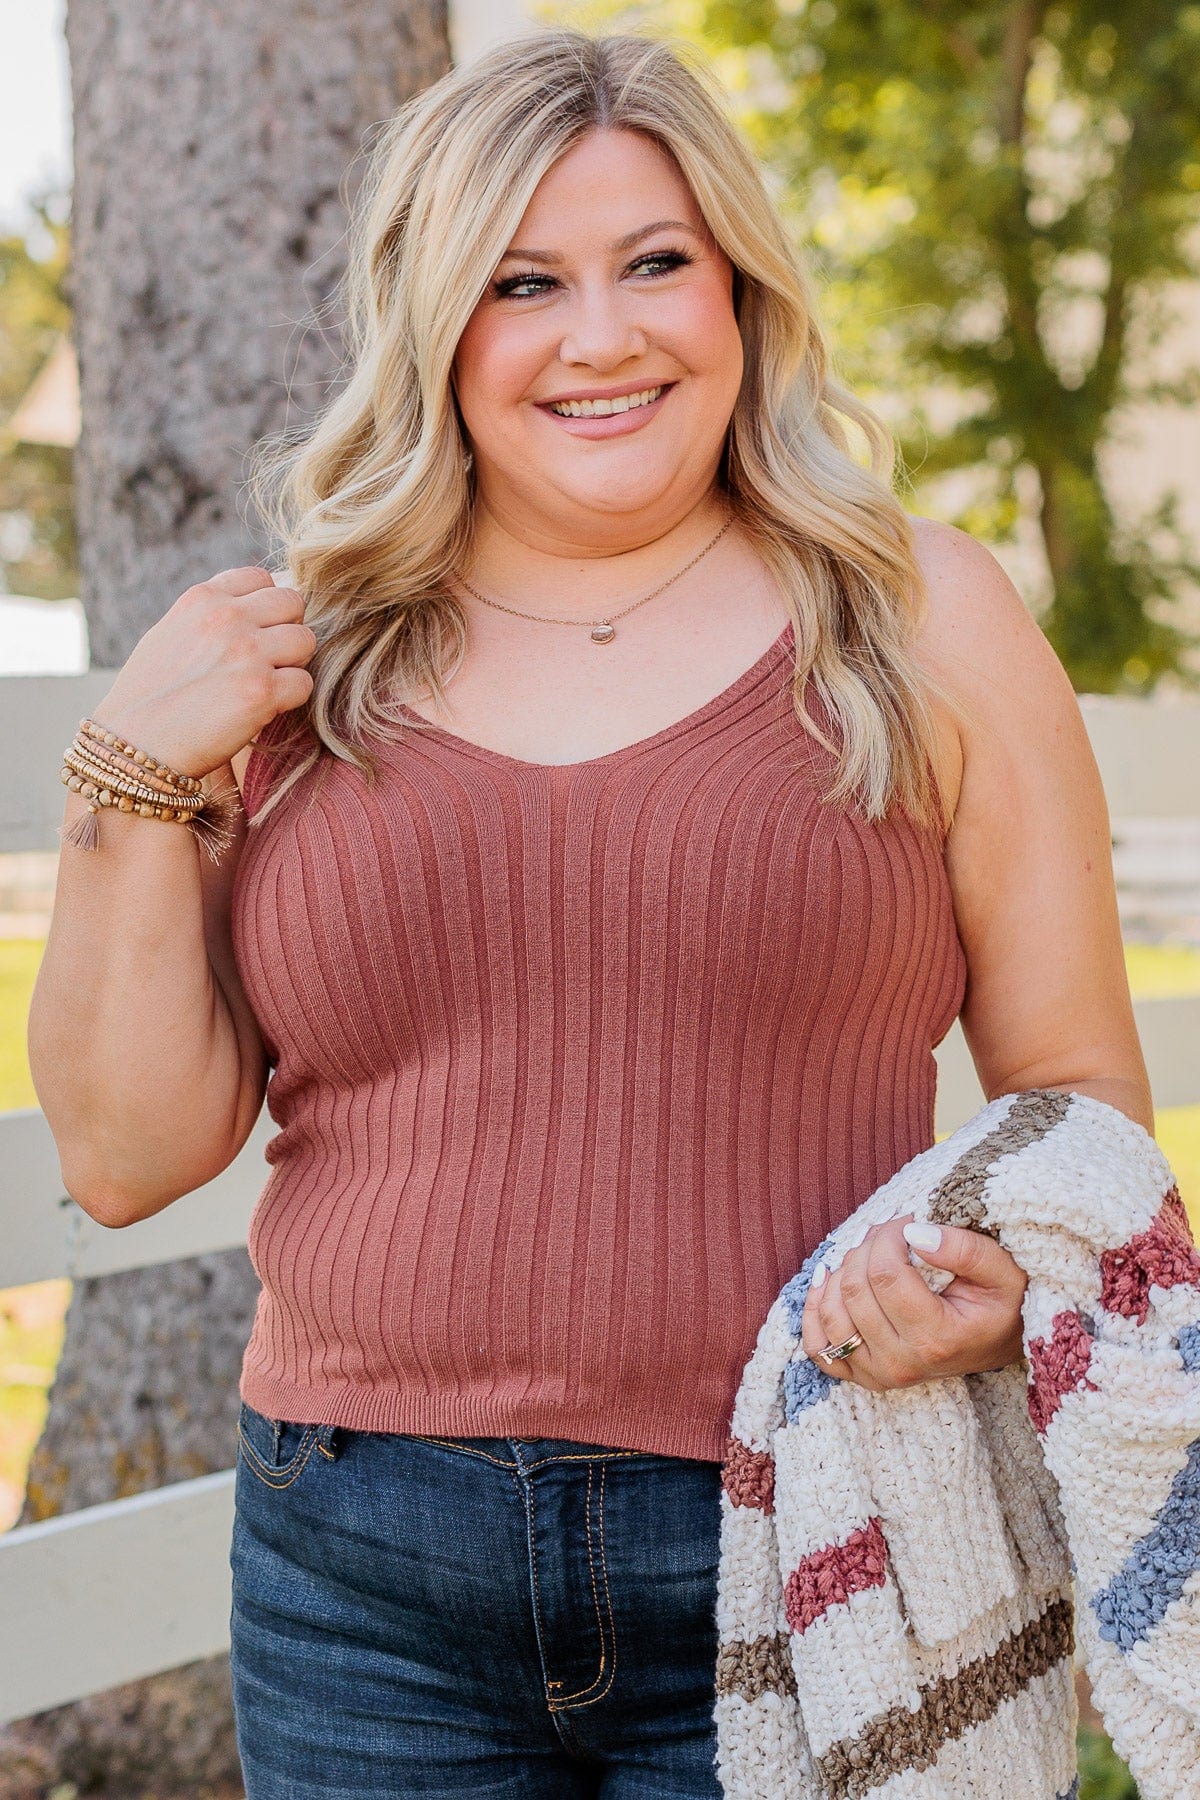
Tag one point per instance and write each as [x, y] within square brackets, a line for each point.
[605, 186]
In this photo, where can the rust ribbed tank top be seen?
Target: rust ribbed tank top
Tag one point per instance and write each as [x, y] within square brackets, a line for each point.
[573, 1065]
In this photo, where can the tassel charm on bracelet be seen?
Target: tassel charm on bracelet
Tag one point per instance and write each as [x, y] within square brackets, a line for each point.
[106, 771]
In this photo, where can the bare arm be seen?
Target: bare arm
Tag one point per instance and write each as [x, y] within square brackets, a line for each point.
[145, 1053]
[1047, 1001]
[1029, 854]
[150, 1075]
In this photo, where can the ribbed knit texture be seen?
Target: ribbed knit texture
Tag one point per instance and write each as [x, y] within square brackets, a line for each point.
[574, 1066]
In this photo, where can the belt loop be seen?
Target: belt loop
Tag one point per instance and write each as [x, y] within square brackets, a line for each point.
[330, 1439]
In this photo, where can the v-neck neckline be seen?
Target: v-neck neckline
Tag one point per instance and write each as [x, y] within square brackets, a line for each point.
[697, 716]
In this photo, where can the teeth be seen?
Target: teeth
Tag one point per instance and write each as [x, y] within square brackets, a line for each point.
[602, 409]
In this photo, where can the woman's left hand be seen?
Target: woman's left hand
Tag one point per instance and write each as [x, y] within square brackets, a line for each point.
[910, 1334]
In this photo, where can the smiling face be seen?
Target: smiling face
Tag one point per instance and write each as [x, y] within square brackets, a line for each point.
[597, 375]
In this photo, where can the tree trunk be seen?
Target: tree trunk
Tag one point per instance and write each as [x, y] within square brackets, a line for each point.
[217, 146]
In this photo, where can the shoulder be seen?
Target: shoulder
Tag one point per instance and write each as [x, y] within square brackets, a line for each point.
[1012, 697]
[978, 634]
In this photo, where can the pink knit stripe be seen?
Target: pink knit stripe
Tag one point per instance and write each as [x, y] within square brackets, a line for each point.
[1161, 1256]
[1058, 1366]
[748, 1476]
[829, 1576]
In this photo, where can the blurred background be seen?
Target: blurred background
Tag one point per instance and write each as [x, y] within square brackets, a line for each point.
[1001, 201]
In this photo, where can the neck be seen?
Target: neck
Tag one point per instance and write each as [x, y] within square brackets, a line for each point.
[511, 562]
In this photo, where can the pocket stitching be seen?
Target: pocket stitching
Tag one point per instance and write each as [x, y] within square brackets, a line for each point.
[265, 1473]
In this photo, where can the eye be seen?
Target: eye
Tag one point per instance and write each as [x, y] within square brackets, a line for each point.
[510, 283]
[668, 259]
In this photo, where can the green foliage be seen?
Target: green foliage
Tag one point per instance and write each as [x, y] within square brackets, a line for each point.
[1102, 1774]
[997, 198]
[37, 524]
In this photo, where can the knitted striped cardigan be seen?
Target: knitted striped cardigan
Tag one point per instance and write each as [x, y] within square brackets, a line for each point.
[896, 1608]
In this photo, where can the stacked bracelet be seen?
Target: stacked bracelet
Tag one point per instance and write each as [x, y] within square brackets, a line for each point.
[106, 771]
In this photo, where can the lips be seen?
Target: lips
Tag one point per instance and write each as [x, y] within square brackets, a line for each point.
[589, 423]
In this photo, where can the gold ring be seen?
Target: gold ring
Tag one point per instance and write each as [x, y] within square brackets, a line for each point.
[832, 1352]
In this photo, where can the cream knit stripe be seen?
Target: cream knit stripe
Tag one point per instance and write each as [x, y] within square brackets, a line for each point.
[959, 1667]
[821, 1466]
[1168, 1660]
[933, 1490]
[749, 1586]
[850, 1667]
[761, 1753]
[758, 1409]
[1095, 1174]
[1160, 1743]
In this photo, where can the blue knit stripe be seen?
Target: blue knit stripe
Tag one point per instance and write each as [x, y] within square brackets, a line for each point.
[804, 1384]
[796, 1292]
[1189, 1347]
[1158, 1567]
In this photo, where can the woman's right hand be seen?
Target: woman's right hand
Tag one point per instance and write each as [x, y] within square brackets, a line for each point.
[224, 661]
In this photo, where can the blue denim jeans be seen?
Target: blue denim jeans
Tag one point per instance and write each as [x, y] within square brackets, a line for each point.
[513, 1618]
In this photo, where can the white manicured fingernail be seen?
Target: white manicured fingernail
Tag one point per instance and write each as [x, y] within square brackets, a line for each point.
[922, 1236]
[819, 1274]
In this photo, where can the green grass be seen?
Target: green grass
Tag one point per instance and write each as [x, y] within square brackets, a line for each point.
[1102, 1774]
[31, 1319]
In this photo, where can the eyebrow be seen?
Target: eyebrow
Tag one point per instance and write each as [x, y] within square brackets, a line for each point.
[626, 243]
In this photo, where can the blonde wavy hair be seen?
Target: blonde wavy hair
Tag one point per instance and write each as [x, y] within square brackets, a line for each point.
[372, 508]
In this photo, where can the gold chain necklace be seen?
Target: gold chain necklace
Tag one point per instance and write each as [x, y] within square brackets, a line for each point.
[603, 631]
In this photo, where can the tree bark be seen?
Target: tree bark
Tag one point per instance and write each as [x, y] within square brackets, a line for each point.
[217, 146]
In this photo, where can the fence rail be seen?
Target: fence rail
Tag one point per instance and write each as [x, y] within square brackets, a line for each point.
[123, 1590]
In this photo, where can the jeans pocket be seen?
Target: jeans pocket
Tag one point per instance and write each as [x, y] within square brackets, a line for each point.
[275, 1450]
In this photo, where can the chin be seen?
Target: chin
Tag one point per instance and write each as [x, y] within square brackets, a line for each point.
[620, 501]
[619, 490]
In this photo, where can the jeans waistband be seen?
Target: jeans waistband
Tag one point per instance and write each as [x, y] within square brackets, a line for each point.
[524, 1454]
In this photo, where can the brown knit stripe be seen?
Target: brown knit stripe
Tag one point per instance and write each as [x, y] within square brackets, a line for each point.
[904, 1740]
[958, 1197]
[755, 1667]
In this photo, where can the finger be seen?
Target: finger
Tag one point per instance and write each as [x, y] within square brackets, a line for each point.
[292, 687]
[289, 645]
[274, 605]
[813, 1334]
[837, 1326]
[245, 580]
[913, 1312]
[972, 1257]
[864, 1313]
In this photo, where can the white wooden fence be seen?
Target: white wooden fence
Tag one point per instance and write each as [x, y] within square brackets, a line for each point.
[119, 1591]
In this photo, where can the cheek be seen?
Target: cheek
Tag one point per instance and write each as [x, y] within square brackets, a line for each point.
[704, 334]
[495, 366]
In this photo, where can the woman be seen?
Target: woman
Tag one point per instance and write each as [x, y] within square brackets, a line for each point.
[599, 953]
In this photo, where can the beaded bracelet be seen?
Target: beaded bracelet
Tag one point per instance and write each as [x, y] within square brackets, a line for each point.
[110, 758]
[190, 784]
[97, 767]
[157, 800]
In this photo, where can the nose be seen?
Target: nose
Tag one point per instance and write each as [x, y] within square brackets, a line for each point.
[602, 331]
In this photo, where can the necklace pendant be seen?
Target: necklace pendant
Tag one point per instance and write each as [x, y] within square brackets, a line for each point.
[604, 633]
